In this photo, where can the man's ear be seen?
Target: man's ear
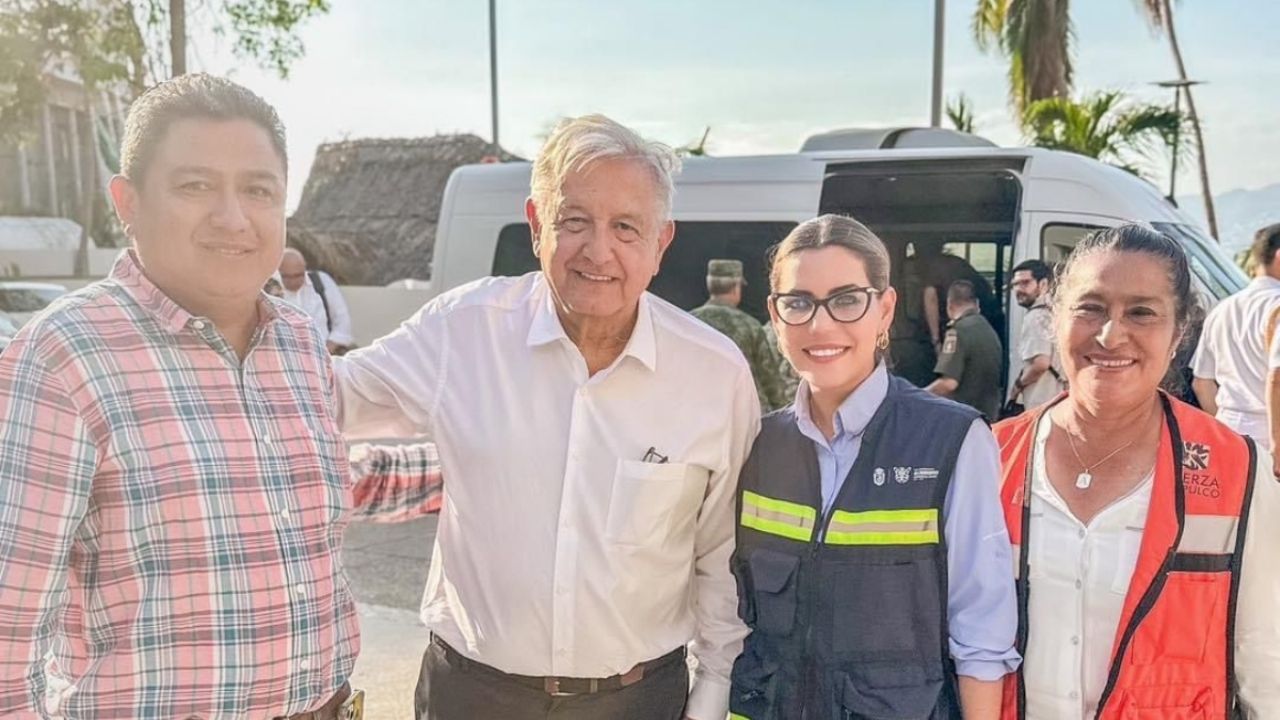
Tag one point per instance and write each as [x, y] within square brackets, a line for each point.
[665, 236]
[535, 226]
[125, 198]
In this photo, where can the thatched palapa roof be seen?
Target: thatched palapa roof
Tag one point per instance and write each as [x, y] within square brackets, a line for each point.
[369, 209]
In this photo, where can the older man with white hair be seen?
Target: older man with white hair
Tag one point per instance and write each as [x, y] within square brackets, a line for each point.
[591, 435]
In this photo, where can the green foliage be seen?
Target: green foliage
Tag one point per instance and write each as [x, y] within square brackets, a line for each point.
[960, 113]
[266, 30]
[1106, 127]
[1035, 36]
[94, 41]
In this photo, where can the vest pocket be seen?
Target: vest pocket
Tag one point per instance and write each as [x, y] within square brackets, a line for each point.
[1192, 607]
[754, 689]
[886, 691]
[774, 585]
[1169, 702]
[876, 613]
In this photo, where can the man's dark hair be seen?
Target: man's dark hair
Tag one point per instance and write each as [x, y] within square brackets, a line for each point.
[1265, 244]
[1038, 268]
[962, 291]
[186, 97]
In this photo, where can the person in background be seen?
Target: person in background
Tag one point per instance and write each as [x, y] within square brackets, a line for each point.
[724, 285]
[319, 297]
[935, 271]
[971, 357]
[1230, 366]
[873, 565]
[1145, 531]
[173, 486]
[1039, 380]
[786, 374]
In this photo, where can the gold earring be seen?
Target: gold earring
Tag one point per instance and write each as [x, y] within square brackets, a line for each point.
[882, 341]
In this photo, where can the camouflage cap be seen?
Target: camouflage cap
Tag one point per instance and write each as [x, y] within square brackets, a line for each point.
[729, 269]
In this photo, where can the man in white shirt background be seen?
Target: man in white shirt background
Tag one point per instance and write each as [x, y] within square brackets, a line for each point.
[592, 436]
[1039, 380]
[1231, 363]
[319, 297]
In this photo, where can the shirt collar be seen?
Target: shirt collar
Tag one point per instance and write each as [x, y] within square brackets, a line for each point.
[854, 414]
[128, 272]
[1265, 282]
[546, 327]
[1042, 301]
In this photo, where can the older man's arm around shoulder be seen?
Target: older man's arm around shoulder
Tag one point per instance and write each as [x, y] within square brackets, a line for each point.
[47, 466]
[719, 634]
[390, 389]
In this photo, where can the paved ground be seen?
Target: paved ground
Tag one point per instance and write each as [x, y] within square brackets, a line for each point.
[387, 566]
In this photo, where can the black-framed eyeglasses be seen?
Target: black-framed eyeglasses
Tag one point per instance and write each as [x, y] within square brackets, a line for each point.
[846, 306]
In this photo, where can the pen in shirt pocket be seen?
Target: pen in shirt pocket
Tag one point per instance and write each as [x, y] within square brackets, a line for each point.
[651, 456]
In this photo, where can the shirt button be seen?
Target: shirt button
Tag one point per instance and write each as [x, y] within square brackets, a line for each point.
[300, 589]
[1075, 639]
[562, 590]
[562, 653]
[1074, 695]
[304, 664]
[1081, 533]
[284, 514]
[1079, 584]
[197, 324]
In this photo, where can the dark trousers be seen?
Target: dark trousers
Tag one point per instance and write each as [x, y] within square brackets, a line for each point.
[451, 687]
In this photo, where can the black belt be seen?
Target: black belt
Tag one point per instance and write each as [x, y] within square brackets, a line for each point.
[565, 685]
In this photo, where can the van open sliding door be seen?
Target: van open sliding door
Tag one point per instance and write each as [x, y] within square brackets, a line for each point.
[942, 219]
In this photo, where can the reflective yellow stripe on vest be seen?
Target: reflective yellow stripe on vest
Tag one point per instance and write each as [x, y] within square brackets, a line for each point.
[736, 716]
[883, 527]
[778, 517]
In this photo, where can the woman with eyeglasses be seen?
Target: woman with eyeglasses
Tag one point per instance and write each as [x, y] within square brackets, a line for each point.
[874, 569]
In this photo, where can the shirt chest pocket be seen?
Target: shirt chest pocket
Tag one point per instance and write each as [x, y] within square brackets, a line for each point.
[650, 501]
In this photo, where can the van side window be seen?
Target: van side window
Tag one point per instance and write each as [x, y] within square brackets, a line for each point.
[514, 253]
[682, 278]
[1057, 240]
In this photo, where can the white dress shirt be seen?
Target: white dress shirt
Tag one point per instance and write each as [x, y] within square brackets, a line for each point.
[1079, 576]
[1233, 352]
[560, 551]
[309, 300]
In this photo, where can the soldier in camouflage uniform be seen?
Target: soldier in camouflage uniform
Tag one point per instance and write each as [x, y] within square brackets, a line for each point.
[786, 373]
[724, 283]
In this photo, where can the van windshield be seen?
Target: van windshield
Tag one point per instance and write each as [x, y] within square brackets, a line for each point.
[1221, 276]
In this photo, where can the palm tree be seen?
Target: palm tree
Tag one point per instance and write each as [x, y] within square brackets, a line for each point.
[960, 113]
[1105, 127]
[1160, 14]
[1035, 35]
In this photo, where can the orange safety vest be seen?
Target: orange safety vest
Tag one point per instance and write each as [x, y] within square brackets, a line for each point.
[1172, 658]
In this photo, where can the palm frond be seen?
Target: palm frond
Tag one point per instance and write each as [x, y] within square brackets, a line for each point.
[988, 24]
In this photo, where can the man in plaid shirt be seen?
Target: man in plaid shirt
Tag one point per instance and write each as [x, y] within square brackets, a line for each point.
[173, 487]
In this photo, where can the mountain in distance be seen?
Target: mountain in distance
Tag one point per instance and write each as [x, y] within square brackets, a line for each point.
[1240, 213]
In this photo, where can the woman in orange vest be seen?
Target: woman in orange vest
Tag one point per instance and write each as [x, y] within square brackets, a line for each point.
[1146, 533]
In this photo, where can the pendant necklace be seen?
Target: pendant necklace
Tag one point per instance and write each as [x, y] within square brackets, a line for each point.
[1085, 478]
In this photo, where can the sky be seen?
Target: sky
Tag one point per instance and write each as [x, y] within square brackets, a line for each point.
[763, 75]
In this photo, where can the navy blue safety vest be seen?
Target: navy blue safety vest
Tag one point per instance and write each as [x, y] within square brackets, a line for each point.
[848, 610]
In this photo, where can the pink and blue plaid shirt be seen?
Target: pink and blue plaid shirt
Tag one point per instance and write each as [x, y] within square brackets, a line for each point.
[171, 517]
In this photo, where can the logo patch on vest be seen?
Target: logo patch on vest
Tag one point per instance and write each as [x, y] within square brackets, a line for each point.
[924, 474]
[901, 475]
[1195, 456]
[878, 477]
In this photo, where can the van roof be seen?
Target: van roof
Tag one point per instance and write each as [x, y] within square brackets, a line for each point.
[1093, 187]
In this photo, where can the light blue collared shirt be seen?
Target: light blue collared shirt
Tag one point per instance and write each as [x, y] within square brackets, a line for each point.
[982, 606]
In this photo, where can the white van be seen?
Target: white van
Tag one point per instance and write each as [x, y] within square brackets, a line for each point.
[992, 206]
